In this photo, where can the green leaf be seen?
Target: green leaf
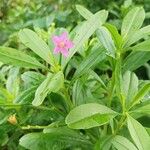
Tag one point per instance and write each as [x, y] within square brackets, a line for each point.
[84, 12]
[79, 95]
[97, 77]
[132, 63]
[65, 131]
[3, 119]
[89, 115]
[36, 44]
[143, 109]
[85, 31]
[13, 81]
[122, 143]
[26, 96]
[143, 46]
[52, 83]
[142, 92]
[31, 78]
[104, 143]
[87, 14]
[105, 38]
[17, 58]
[91, 60]
[132, 22]
[4, 137]
[148, 131]
[129, 85]
[55, 138]
[138, 134]
[5, 96]
[115, 35]
[143, 32]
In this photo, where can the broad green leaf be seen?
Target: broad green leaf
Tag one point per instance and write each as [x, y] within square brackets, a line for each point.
[5, 96]
[31, 78]
[55, 139]
[142, 92]
[84, 12]
[89, 115]
[91, 60]
[115, 35]
[3, 119]
[13, 81]
[104, 143]
[132, 22]
[85, 31]
[143, 46]
[129, 85]
[36, 44]
[58, 100]
[52, 83]
[143, 109]
[79, 92]
[65, 131]
[122, 143]
[4, 137]
[148, 130]
[143, 32]
[138, 134]
[97, 77]
[105, 38]
[87, 14]
[17, 58]
[147, 15]
[132, 63]
[26, 96]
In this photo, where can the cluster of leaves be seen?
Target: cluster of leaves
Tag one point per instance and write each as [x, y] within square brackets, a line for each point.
[18, 14]
[90, 100]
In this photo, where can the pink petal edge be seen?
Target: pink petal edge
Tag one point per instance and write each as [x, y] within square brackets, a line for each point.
[70, 44]
[64, 36]
[55, 39]
[56, 50]
[65, 52]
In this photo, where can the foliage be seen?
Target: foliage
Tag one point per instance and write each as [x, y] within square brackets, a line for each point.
[93, 99]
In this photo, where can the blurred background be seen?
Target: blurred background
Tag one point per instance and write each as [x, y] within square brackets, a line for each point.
[17, 14]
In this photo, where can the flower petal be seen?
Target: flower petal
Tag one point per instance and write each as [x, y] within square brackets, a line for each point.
[69, 44]
[56, 50]
[65, 52]
[64, 36]
[56, 39]
[62, 44]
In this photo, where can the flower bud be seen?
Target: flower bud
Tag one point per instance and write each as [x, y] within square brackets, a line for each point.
[12, 119]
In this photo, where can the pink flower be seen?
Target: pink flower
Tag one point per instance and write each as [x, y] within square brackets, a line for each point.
[62, 44]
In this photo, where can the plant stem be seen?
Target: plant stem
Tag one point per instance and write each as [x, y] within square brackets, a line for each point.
[120, 124]
[67, 98]
[11, 105]
[28, 127]
[111, 90]
[105, 129]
